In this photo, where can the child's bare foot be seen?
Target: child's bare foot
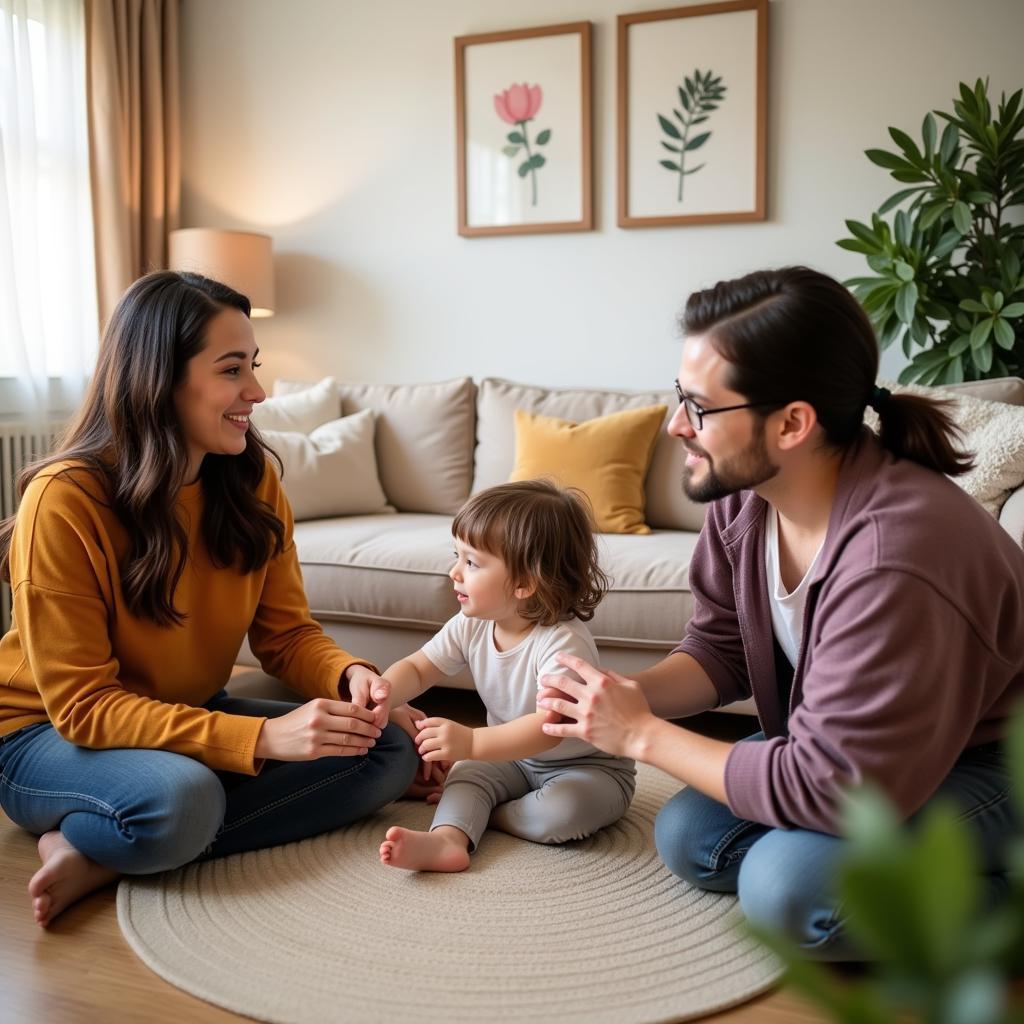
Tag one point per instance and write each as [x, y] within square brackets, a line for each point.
[65, 877]
[444, 849]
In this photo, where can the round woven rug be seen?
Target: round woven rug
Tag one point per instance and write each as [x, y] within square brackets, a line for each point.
[594, 931]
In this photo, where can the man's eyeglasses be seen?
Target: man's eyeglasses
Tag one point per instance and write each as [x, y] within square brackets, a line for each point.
[695, 413]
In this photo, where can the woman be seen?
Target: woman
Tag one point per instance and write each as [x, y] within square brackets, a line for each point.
[142, 553]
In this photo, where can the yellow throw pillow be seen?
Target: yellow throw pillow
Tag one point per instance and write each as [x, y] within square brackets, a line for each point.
[607, 458]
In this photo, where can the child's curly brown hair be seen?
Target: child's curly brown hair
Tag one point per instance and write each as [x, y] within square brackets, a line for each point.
[545, 536]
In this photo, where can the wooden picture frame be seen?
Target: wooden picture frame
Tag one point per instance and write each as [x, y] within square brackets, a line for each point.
[523, 109]
[680, 68]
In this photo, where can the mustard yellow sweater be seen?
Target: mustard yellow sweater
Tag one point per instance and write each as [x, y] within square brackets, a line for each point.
[104, 677]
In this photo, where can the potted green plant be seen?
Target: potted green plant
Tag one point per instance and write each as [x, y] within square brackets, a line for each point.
[947, 277]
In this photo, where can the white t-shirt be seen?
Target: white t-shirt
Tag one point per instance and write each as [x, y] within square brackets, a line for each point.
[787, 608]
[507, 681]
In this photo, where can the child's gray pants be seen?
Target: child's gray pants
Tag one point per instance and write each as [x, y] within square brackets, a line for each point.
[542, 801]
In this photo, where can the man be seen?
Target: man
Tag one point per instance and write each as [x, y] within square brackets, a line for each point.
[871, 607]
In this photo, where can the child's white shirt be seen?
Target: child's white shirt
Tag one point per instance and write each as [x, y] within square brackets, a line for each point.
[507, 681]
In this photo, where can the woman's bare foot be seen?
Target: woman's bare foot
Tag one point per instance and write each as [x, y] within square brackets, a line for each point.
[65, 877]
[444, 849]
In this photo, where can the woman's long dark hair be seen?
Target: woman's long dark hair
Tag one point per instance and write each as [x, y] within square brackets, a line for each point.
[128, 433]
[796, 334]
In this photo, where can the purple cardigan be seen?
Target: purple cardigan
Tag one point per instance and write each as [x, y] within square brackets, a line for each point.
[912, 649]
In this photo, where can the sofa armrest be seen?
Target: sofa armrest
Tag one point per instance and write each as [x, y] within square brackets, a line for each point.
[1011, 516]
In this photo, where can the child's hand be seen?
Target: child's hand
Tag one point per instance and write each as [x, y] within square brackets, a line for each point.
[369, 690]
[443, 740]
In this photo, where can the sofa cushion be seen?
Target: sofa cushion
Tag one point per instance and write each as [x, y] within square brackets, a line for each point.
[333, 470]
[666, 506]
[606, 458]
[424, 439]
[993, 430]
[301, 411]
[393, 570]
[998, 389]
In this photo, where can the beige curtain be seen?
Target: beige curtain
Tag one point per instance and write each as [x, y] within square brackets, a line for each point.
[133, 97]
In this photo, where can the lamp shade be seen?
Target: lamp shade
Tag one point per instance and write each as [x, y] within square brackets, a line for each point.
[240, 259]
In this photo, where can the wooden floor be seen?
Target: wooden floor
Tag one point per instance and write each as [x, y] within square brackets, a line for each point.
[81, 970]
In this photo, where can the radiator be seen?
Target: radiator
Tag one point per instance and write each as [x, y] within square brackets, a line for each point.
[19, 445]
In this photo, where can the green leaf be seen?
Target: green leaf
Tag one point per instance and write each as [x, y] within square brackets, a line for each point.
[1014, 309]
[982, 358]
[685, 100]
[907, 144]
[510, 150]
[697, 141]
[947, 884]
[961, 217]
[537, 160]
[669, 165]
[694, 170]
[904, 271]
[890, 161]
[960, 344]
[980, 334]
[902, 228]
[516, 137]
[955, 371]
[928, 134]
[1003, 333]
[863, 232]
[1011, 266]
[669, 128]
[698, 120]
[896, 198]
[950, 138]
[932, 212]
[856, 245]
[671, 148]
[543, 137]
[973, 306]
[946, 244]
[524, 169]
[906, 302]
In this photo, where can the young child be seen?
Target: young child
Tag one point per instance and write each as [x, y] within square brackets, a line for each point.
[527, 577]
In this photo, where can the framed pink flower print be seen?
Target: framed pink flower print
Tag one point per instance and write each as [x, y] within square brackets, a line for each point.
[523, 131]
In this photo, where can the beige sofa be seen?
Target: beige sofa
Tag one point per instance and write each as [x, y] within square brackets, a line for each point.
[377, 580]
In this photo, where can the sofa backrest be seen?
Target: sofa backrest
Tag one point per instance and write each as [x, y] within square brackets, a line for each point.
[423, 439]
[667, 507]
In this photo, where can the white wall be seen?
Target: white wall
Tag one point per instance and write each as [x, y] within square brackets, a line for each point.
[330, 125]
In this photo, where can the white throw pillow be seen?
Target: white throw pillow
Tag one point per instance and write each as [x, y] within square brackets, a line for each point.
[333, 470]
[302, 411]
[993, 431]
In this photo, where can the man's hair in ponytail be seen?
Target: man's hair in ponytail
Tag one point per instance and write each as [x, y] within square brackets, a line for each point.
[796, 334]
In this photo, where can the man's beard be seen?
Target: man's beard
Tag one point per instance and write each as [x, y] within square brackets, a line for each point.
[748, 469]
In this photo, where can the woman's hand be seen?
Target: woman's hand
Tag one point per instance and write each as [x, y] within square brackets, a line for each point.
[605, 709]
[318, 728]
[441, 739]
[428, 781]
[369, 690]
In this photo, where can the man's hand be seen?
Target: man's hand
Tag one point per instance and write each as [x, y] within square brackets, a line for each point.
[369, 690]
[440, 739]
[605, 709]
[318, 728]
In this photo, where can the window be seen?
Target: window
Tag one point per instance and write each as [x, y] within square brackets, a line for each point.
[48, 319]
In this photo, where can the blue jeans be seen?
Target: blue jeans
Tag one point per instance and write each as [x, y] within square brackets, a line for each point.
[138, 811]
[785, 878]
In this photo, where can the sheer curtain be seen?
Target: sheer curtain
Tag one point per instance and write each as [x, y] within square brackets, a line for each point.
[48, 317]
